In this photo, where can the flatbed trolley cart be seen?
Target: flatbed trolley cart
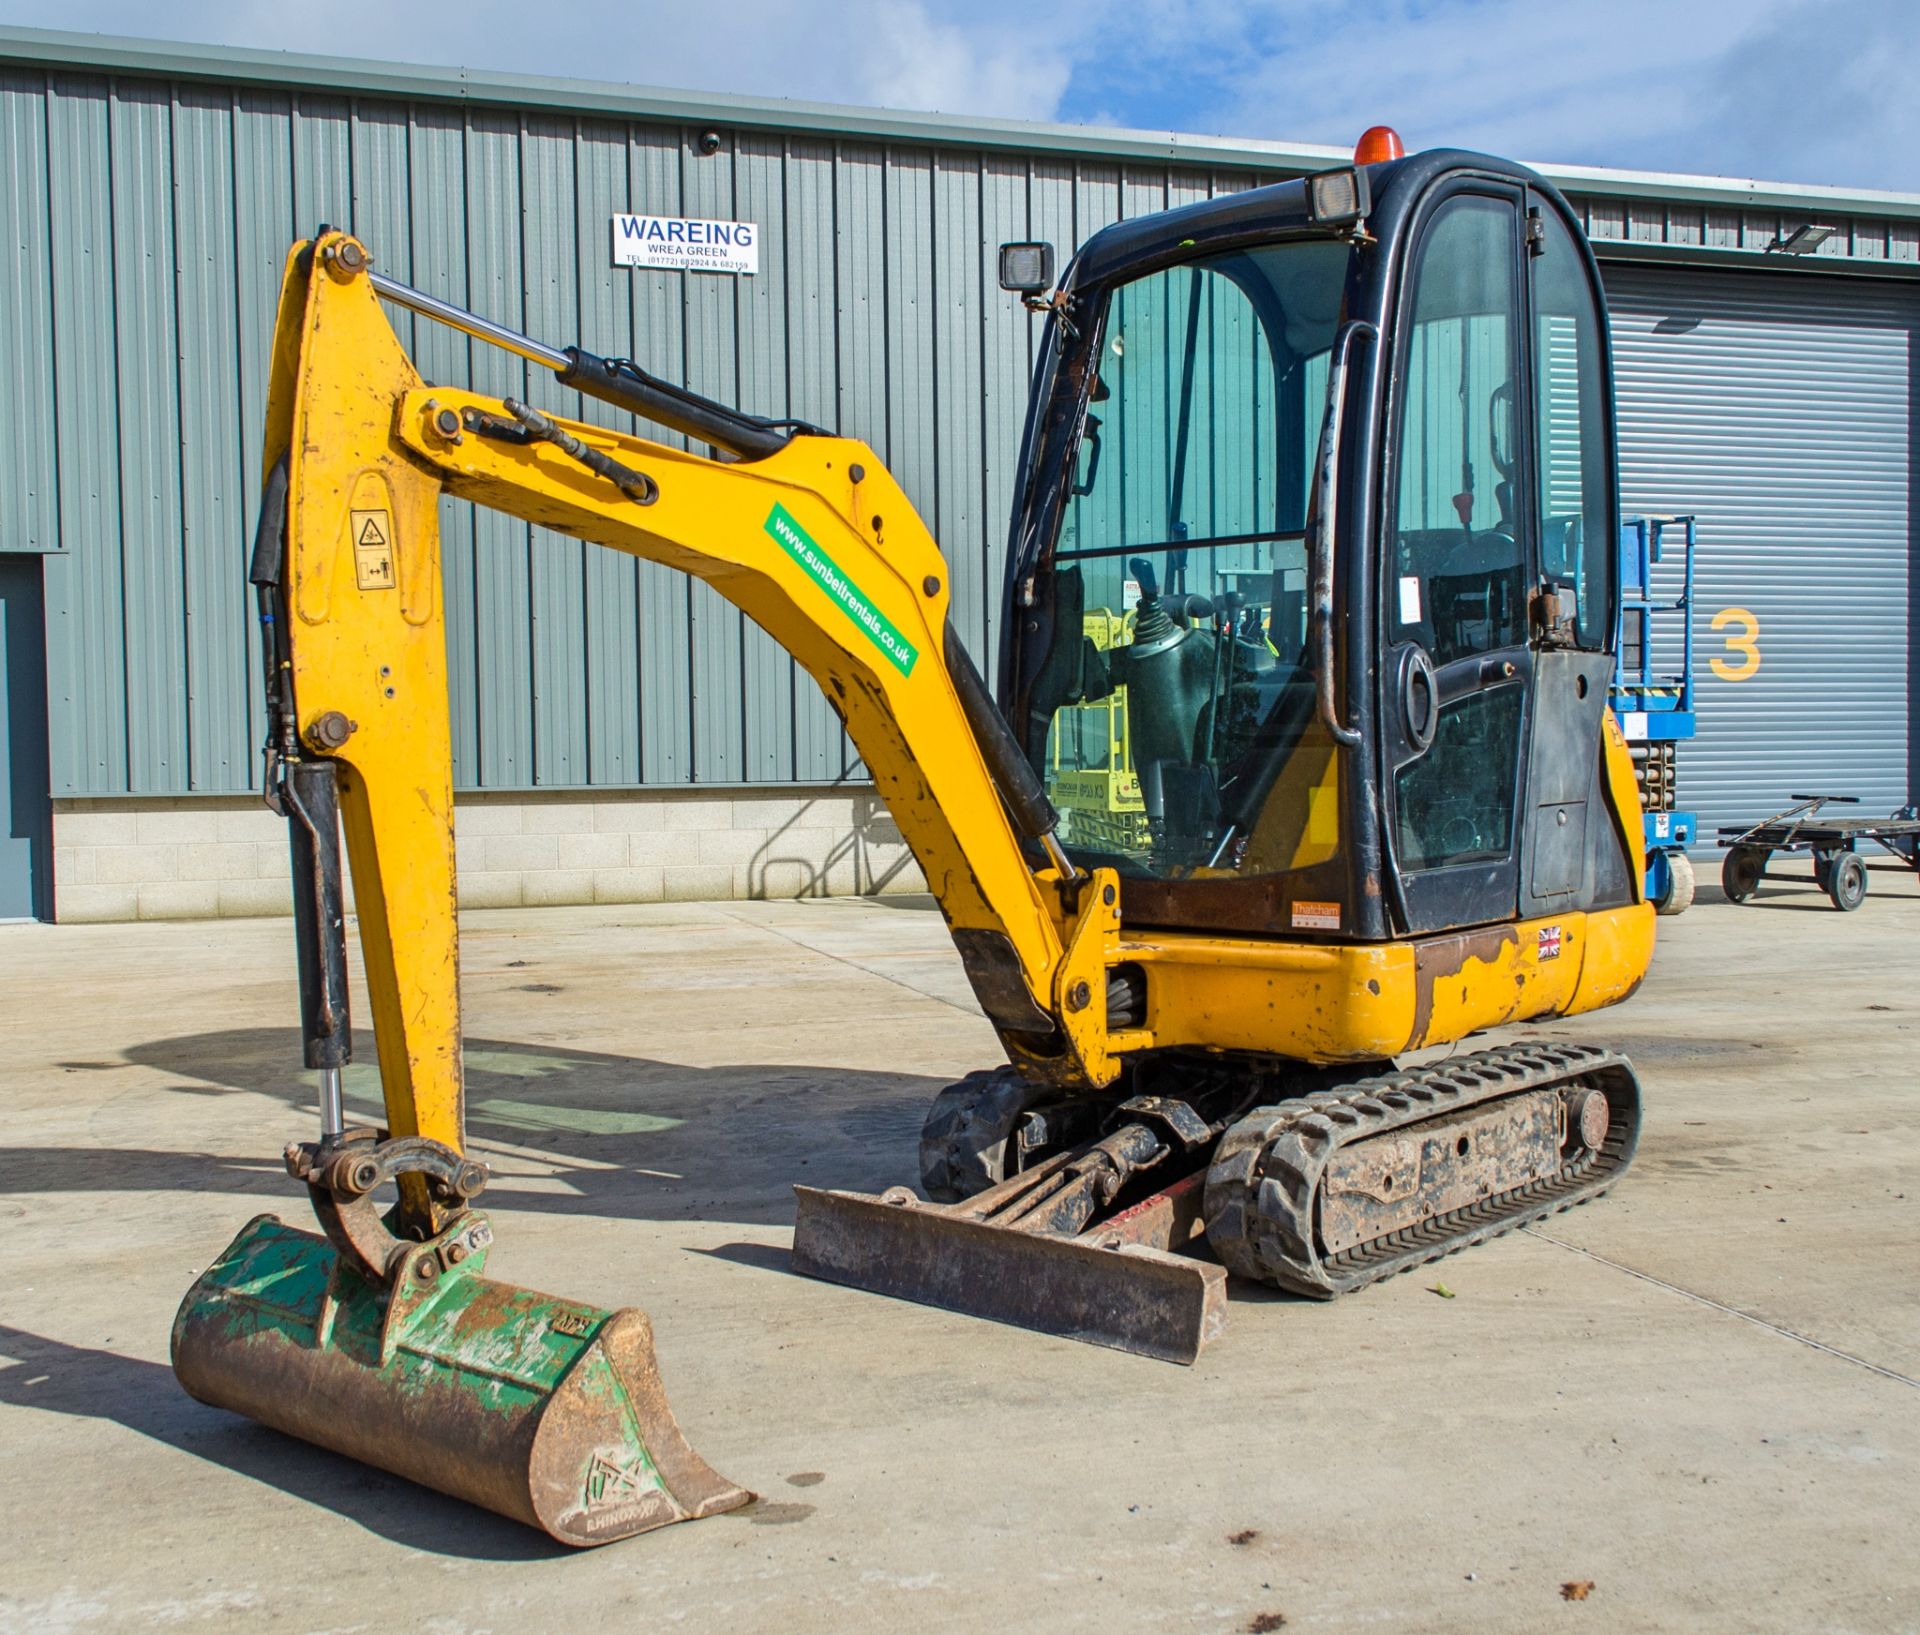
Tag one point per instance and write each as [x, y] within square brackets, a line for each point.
[1654, 702]
[1834, 843]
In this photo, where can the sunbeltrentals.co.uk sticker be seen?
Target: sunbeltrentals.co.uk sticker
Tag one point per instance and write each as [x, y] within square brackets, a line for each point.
[1316, 916]
[872, 623]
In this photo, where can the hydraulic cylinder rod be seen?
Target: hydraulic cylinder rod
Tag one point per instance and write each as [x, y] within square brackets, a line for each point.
[617, 381]
[469, 323]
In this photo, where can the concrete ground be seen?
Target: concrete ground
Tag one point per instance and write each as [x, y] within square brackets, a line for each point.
[1702, 1394]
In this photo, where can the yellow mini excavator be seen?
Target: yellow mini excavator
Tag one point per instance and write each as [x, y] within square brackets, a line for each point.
[1308, 611]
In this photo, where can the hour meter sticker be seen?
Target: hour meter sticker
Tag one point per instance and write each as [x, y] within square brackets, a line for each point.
[799, 544]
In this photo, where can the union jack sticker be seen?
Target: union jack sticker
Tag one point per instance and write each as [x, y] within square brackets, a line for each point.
[1549, 942]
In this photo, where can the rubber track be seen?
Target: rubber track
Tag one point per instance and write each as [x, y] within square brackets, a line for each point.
[1263, 1183]
[963, 1142]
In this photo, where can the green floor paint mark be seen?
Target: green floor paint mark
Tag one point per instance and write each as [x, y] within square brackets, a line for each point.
[361, 1084]
[533, 1115]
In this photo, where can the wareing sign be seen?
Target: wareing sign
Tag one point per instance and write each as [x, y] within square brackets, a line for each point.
[686, 244]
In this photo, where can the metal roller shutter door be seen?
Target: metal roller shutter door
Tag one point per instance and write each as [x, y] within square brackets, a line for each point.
[1776, 408]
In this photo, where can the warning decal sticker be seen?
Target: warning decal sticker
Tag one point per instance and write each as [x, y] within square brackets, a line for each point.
[372, 533]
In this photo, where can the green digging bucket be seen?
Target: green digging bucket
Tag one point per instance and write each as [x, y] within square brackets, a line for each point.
[544, 1410]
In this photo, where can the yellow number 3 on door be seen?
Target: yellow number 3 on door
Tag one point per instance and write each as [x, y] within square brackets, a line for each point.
[1742, 637]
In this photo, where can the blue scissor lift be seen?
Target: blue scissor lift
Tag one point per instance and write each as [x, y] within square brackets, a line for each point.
[1652, 700]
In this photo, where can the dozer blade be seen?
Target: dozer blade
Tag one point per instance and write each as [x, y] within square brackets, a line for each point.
[1107, 1288]
[545, 1410]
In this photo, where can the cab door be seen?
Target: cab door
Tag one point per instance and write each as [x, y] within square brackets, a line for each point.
[1458, 548]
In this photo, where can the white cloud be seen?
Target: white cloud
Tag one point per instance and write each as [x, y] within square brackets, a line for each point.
[1808, 90]
[915, 61]
[1811, 90]
[1509, 75]
[886, 53]
[1823, 95]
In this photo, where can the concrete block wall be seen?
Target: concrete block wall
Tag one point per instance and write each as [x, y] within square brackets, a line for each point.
[205, 858]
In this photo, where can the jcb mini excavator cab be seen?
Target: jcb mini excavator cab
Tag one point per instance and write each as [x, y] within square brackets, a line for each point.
[1307, 610]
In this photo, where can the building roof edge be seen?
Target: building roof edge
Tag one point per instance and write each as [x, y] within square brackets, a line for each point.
[114, 54]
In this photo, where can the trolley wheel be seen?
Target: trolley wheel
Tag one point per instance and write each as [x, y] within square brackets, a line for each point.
[1677, 895]
[1847, 882]
[1740, 873]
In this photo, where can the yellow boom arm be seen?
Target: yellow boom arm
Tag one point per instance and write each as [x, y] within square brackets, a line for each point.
[816, 543]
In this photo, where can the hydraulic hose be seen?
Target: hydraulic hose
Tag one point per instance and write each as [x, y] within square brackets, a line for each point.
[1012, 773]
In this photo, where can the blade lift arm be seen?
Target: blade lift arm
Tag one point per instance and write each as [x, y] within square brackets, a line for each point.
[811, 538]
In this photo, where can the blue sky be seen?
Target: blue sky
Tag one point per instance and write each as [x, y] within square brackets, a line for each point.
[1788, 90]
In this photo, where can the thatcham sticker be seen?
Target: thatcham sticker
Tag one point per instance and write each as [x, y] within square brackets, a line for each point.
[687, 244]
[799, 544]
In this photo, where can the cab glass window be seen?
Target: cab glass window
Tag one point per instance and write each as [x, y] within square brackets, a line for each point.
[1459, 553]
[1573, 474]
[1180, 735]
[1459, 557]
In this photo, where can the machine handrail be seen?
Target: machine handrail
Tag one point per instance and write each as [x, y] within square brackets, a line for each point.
[1320, 565]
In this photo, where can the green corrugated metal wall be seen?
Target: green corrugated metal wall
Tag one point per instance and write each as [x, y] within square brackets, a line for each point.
[145, 222]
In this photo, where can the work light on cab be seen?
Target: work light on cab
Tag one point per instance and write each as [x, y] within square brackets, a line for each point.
[1339, 199]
